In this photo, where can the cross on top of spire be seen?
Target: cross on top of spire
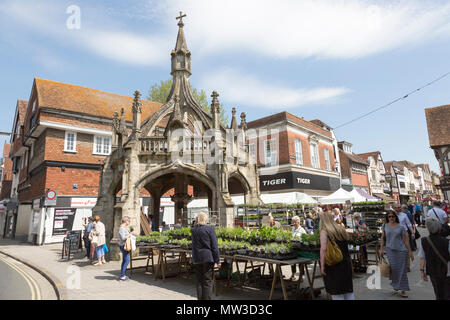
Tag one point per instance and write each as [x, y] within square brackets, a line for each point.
[181, 24]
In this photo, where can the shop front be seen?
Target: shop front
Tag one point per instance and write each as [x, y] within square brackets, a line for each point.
[49, 224]
[313, 185]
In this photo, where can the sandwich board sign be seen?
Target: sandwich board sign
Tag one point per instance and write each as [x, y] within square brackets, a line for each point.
[50, 198]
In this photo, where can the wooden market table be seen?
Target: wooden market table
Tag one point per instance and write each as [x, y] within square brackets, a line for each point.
[302, 262]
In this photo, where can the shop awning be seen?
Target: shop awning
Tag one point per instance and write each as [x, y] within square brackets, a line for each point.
[367, 196]
[338, 197]
[385, 197]
[203, 202]
[287, 198]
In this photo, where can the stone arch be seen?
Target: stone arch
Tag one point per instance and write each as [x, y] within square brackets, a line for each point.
[179, 169]
[244, 182]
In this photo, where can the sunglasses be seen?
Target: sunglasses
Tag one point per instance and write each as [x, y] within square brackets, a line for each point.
[391, 216]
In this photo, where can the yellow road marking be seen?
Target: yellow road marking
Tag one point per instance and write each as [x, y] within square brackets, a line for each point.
[34, 288]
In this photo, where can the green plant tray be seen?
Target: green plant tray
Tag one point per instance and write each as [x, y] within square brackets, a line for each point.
[308, 255]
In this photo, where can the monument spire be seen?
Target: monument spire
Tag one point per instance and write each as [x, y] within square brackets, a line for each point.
[181, 56]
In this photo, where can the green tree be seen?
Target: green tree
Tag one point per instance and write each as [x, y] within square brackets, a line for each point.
[160, 91]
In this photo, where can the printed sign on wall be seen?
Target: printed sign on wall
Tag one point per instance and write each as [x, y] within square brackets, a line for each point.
[63, 221]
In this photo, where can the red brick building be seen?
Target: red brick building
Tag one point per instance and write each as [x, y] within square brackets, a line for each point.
[353, 168]
[5, 191]
[66, 136]
[294, 155]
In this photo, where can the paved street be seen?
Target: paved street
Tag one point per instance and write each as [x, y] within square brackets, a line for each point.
[102, 282]
[19, 282]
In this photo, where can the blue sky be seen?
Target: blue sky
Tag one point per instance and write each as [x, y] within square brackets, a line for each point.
[331, 60]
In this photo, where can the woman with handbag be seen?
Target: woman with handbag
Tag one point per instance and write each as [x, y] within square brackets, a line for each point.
[99, 240]
[434, 254]
[335, 263]
[395, 238]
[124, 237]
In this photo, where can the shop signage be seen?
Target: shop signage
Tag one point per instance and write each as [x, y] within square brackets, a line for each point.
[63, 221]
[298, 180]
[50, 198]
[83, 202]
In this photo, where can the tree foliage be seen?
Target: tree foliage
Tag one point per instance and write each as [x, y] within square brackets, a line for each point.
[160, 91]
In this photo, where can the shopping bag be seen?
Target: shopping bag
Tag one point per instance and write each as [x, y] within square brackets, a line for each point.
[133, 243]
[105, 248]
[385, 268]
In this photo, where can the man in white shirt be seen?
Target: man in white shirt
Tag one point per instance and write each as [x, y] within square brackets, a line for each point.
[437, 212]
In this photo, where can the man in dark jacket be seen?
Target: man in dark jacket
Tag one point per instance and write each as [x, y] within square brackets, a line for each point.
[434, 260]
[205, 252]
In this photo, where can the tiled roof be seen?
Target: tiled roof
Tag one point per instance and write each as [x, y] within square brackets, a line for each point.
[88, 101]
[22, 106]
[438, 123]
[355, 158]
[287, 116]
[367, 155]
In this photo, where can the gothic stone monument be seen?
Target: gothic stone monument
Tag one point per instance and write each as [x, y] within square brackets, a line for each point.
[178, 146]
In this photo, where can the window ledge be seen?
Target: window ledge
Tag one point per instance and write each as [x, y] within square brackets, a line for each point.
[101, 154]
[68, 151]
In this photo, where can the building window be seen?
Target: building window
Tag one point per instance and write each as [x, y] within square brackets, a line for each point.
[326, 154]
[374, 176]
[70, 142]
[271, 154]
[298, 152]
[102, 145]
[314, 155]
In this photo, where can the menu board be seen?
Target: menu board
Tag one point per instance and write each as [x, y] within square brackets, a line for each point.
[63, 221]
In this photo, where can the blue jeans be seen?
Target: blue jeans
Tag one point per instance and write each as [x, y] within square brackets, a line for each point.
[99, 251]
[125, 261]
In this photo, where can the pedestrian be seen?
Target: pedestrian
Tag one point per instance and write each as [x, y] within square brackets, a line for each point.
[165, 227]
[87, 230]
[273, 223]
[178, 225]
[395, 238]
[338, 278]
[417, 213]
[99, 240]
[404, 220]
[337, 216]
[412, 240]
[434, 254]
[439, 214]
[309, 224]
[205, 252]
[297, 231]
[124, 234]
[361, 227]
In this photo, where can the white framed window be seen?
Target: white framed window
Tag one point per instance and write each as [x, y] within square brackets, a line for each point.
[326, 154]
[102, 145]
[298, 152]
[271, 154]
[25, 159]
[268, 160]
[70, 142]
[314, 155]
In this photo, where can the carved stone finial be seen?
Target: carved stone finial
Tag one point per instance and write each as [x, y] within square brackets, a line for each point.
[243, 121]
[215, 102]
[233, 111]
[234, 125]
[137, 103]
[116, 122]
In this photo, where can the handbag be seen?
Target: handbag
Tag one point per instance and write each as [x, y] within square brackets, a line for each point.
[445, 230]
[333, 255]
[417, 234]
[127, 246]
[385, 268]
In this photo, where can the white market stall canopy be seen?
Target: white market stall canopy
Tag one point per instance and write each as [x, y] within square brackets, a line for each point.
[203, 203]
[357, 197]
[338, 197]
[287, 198]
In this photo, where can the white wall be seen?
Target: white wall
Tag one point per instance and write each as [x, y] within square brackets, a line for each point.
[23, 220]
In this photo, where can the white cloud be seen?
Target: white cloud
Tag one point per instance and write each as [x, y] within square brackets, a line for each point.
[248, 90]
[311, 28]
[98, 35]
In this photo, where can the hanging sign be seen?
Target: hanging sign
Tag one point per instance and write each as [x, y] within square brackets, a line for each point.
[50, 198]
